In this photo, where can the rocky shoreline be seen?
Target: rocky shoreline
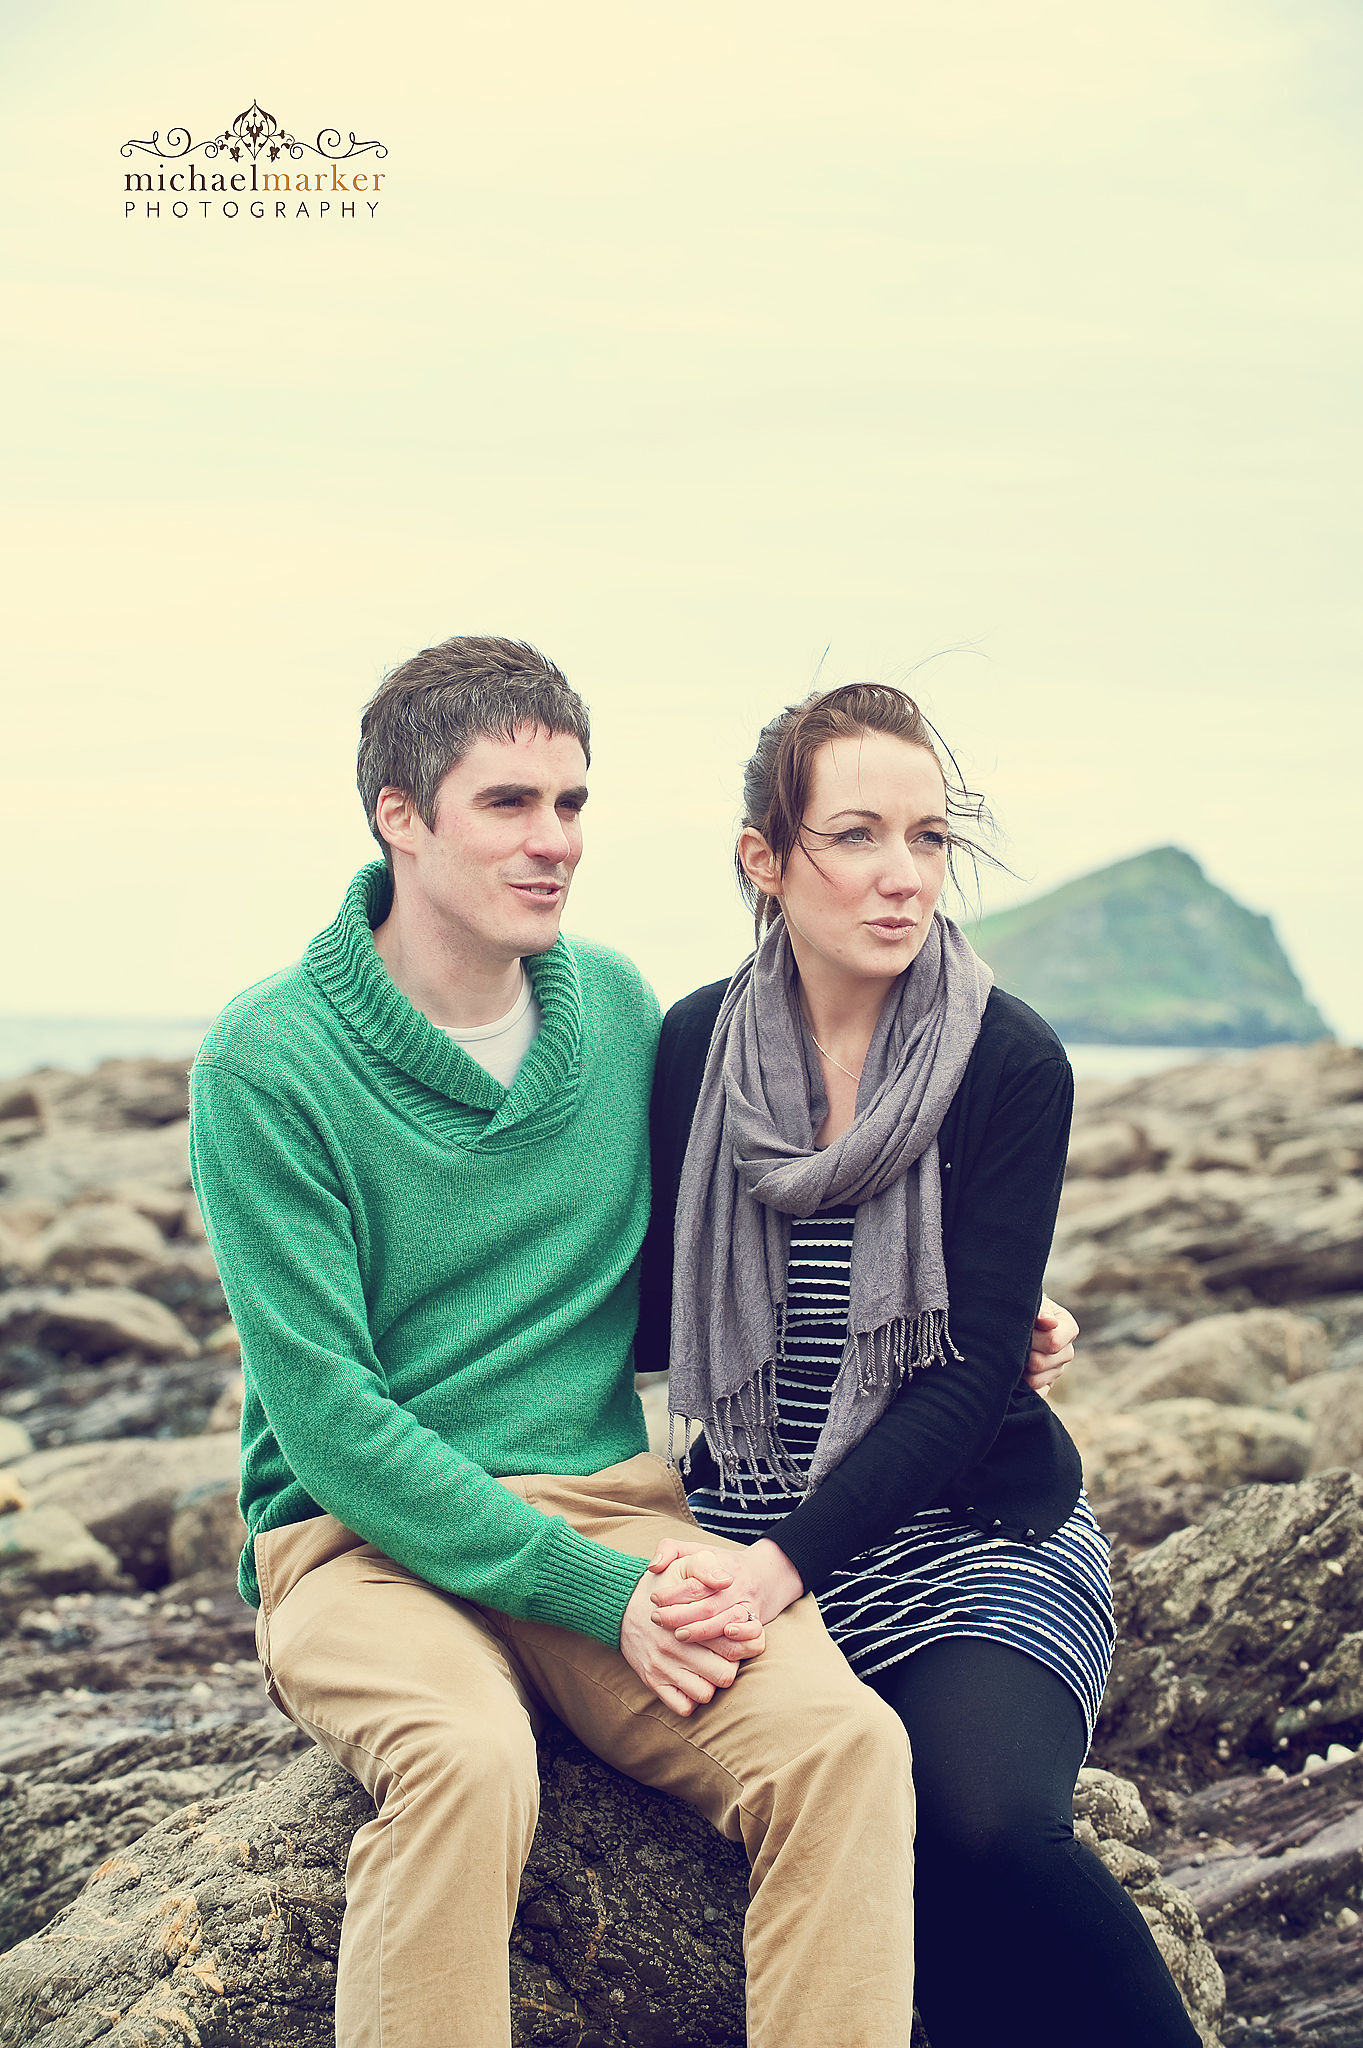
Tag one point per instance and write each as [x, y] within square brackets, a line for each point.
[170, 1849]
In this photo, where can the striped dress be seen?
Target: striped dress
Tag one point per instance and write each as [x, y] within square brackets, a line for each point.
[936, 1576]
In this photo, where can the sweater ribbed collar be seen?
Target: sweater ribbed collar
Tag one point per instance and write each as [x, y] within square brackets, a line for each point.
[344, 964]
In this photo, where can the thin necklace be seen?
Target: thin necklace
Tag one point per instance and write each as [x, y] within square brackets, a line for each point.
[837, 1063]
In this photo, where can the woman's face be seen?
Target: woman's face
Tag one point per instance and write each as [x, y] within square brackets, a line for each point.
[876, 827]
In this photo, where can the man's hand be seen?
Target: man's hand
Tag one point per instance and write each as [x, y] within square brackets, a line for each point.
[686, 1674]
[1053, 1335]
[720, 1589]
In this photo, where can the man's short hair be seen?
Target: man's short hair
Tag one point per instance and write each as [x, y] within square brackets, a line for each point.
[426, 714]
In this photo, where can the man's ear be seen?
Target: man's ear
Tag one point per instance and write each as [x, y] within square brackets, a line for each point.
[396, 817]
[758, 861]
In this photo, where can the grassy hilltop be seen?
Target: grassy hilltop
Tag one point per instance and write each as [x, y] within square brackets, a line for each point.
[1149, 952]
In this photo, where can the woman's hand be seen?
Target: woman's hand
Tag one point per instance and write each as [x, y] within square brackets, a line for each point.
[1053, 1335]
[720, 1590]
[687, 1674]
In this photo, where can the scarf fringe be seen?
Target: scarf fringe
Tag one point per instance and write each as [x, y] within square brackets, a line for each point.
[744, 1427]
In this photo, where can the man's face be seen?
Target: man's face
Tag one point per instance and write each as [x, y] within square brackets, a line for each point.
[494, 873]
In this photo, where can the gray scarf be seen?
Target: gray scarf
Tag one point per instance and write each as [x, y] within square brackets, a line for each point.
[751, 1165]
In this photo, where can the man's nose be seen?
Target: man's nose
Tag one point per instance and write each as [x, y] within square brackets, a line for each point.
[547, 838]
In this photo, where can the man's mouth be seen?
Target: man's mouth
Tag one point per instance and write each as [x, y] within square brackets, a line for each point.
[540, 892]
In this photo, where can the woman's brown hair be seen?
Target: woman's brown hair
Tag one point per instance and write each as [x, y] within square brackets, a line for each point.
[776, 780]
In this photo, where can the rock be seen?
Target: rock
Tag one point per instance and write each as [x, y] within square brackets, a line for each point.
[80, 1669]
[122, 1397]
[1182, 1442]
[226, 1413]
[206, 1529]
[1338, 1424]
[63, 1819]
[652, 1390]
[95, 1323]
[233, 1907]
[96, 1244]
[65, 1160]
[119, 1094]
[1244, 1635]
[45, 1550]
[227, 1913]
[1270, 1862]
[128, 1493]
[185, 1280]
[12, 1495]
[1112, 1806]
[1239, 1359]
[164, 1206]
[1103, 1151]
[15, 1441]
[1142, 1515]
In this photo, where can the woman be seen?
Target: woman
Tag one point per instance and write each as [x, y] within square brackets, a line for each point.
[863, 1142]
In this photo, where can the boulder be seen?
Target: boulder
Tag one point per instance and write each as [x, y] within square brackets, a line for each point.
[62, 1819]
[96, 1323]
[127, 1492]
[1241, 1360]
[1102, 1151]
[12, 1495]
[226, 1413]
[222, 1922]
[122, 1397]
[1338, 1423]
[162, 1205]
[140, 1094]
[225, 1919]
[96, 1244]
[1110, 1818]
[1242, 1635]
[1111, 1808]
[1182, 1442]
[1273, 1863]
[15, 1441]
[1142, 1515]
[45, 1550]
[206, 1529]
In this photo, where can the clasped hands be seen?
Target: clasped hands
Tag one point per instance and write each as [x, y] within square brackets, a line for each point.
[698, 1613]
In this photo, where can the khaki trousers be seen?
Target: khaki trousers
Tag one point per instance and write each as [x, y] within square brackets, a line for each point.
[431, 1703]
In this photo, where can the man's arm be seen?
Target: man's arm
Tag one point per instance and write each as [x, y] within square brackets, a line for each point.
[283, 1236]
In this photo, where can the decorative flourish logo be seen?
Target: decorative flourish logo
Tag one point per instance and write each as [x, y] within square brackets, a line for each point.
[255, 141]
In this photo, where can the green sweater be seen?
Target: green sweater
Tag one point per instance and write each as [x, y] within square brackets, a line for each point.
[434, 1277]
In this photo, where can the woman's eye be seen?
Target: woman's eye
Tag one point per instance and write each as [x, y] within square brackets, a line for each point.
[858, 836]
[934, 841]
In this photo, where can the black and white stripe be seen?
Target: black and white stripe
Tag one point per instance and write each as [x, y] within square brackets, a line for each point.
[936, 1576]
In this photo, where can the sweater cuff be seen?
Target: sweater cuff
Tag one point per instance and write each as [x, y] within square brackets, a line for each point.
[584, 1585]
[815, 1543]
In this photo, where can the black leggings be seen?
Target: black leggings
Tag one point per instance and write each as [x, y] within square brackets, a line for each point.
[1022, 1936]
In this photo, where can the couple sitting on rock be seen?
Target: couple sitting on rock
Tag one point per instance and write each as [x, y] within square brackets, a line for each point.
[423, 1156]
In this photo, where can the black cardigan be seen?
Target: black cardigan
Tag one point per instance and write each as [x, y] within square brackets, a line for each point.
[967, 1436]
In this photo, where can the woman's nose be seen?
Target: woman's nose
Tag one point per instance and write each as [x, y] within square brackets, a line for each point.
[901, 877]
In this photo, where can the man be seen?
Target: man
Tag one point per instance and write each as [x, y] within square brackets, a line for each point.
[422, 1158]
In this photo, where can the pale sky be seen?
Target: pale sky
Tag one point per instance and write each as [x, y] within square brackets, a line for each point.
[1011, 349]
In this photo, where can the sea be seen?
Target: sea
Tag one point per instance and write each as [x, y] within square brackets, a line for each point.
[79, 1044]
